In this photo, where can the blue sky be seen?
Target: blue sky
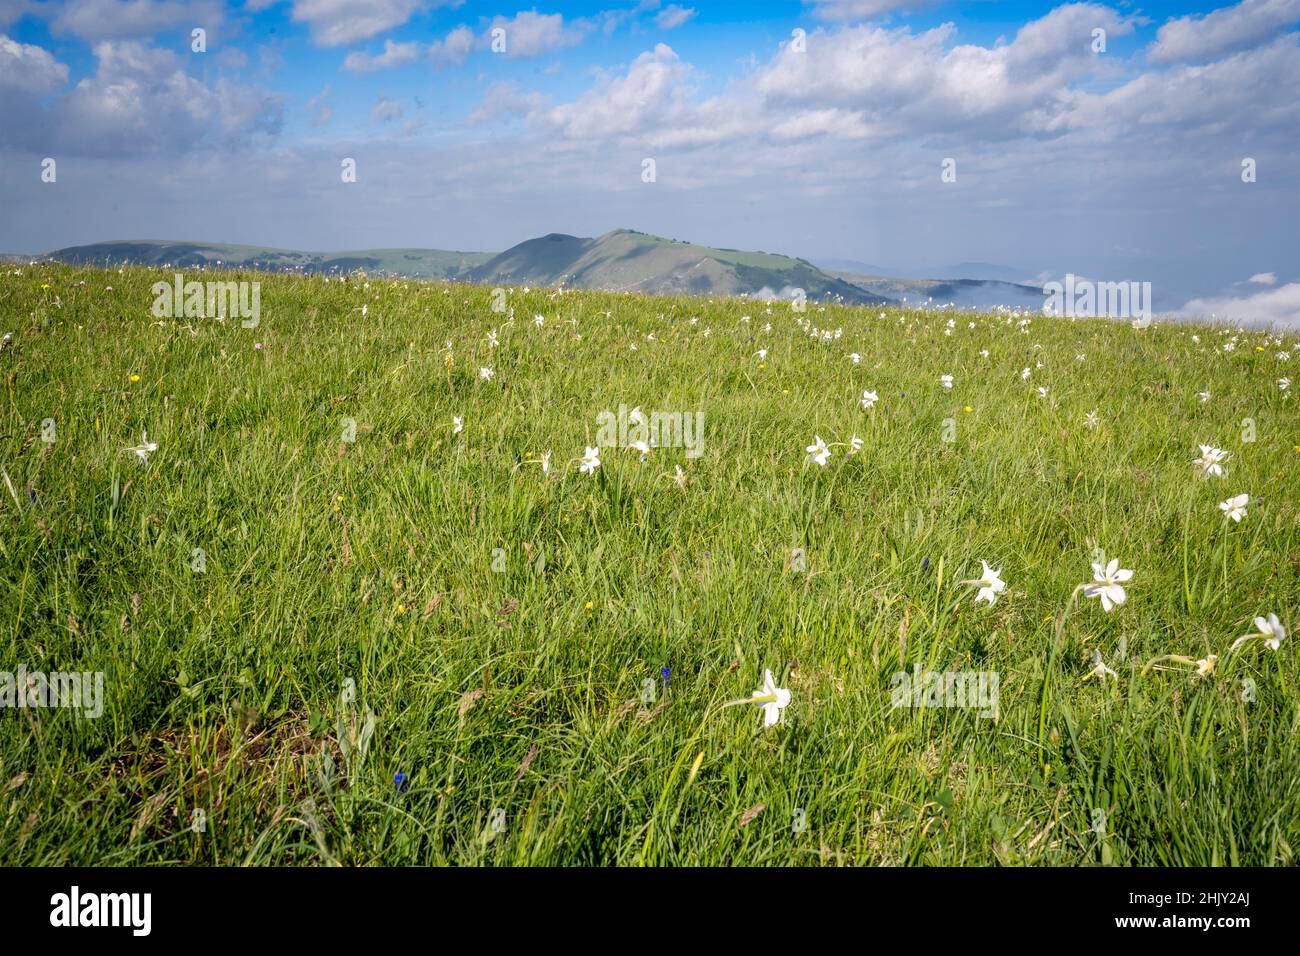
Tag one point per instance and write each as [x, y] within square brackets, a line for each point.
[1117, 164]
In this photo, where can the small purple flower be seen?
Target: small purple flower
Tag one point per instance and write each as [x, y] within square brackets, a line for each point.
[400, 783]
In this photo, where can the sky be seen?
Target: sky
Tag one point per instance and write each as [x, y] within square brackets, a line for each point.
[1157, 142]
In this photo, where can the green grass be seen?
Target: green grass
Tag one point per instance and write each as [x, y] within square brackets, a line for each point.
[372, 561]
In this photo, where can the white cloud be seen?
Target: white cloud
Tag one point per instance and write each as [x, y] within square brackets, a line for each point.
[115, 19]
[386, 110]
[26, 68]
[841, 10]
[1264, 278]
[1200, 38]
[454, 48]
[531, 33]
[651, 91]
[673, 16]
[395, 54]
[1280, 307]
[339, 22]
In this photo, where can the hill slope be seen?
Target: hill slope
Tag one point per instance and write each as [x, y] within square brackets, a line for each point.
[624, 260]
[415, 263]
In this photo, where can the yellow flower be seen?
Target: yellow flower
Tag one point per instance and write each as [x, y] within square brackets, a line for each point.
[135, 378]
[401, 609]
[1259, 348]
[590, 605]
[968, 409]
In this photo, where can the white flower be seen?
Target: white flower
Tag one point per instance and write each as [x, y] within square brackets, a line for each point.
[485, 373]
[762, 354]
[1107, 584]
[1024, 374]
[492, 339]
[773, 699]
[855, 445]
[1099, 668]
[1090, 420]
[855, 358]
[1235, 508]
[869, 399]
[680, 477]
[545, 462]
[457, 423]
[142, 450]
[818, 452]
[1042, 391]
[589, 461]
[1284, 383]
[984, 353]
[1196, 340]
[634, 417]
[990, 584]
[1205, 666]
[1203, 396]
[945, 381]
[538, 321]
[1269, 628]
[639, 446]
[1211, 461]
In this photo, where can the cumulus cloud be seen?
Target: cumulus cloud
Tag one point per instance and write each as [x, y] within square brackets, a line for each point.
[1200, 38]
[1279, 307]
[116, 19]
[339, 22]
[1263, 278]
[25, 68]
[530, 33]
[395, 54]
[453, 49]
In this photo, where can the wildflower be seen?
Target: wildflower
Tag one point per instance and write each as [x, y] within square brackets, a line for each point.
[634, 417]
[135, 378]
[1090, 420]
[990, 584]
[589, 461]
[640, 446]
[818, 452]
[1042, 391]
[142, 450]
[680, 477]
[855, 445]
[1235, 507]
[492, 339]
[946, 381]
[1211, 461]
[869, 399]
[1024, 374]
[457, 423]
[538, 321]
[855, 358]
[1270, 629]
[1205, 666]
[773, 699]
[485, 373]
[1107, 584]
[1099, 668]
[1284, 383]
[1203, 396]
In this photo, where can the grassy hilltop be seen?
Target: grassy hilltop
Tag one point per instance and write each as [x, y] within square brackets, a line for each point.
[428, 601]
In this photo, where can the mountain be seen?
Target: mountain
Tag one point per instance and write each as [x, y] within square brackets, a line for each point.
[625, 260]
[415, 263]
[961, 270]
[960, 293]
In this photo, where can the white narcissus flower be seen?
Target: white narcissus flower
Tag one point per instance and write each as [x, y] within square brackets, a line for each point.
[634, 417]
[762, 355]
[1203, 396]
[538, 321]
[1042, 391]
[989, 582]
[855, 445]
[945, 381]
[492, 339]
[869, 399]
[1090, 420]
[457, 423]
[1235, 507]
[1024, 374]
[772, 699]
[855, 358]
[485, 373]
[818, 452]
[545, 462]
[641, 447]
[142, 450]
[1284, 383]
[1269, 628]
[680, 477]
[1099, 668]
[1205, 666]
[1210, 464]
[589, 461]
[1107, 584]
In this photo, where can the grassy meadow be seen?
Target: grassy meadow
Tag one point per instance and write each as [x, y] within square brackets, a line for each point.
[428, 601]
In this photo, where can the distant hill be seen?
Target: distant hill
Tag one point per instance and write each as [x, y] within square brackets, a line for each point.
[626, 260]
[415, 263]
[961, 293]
